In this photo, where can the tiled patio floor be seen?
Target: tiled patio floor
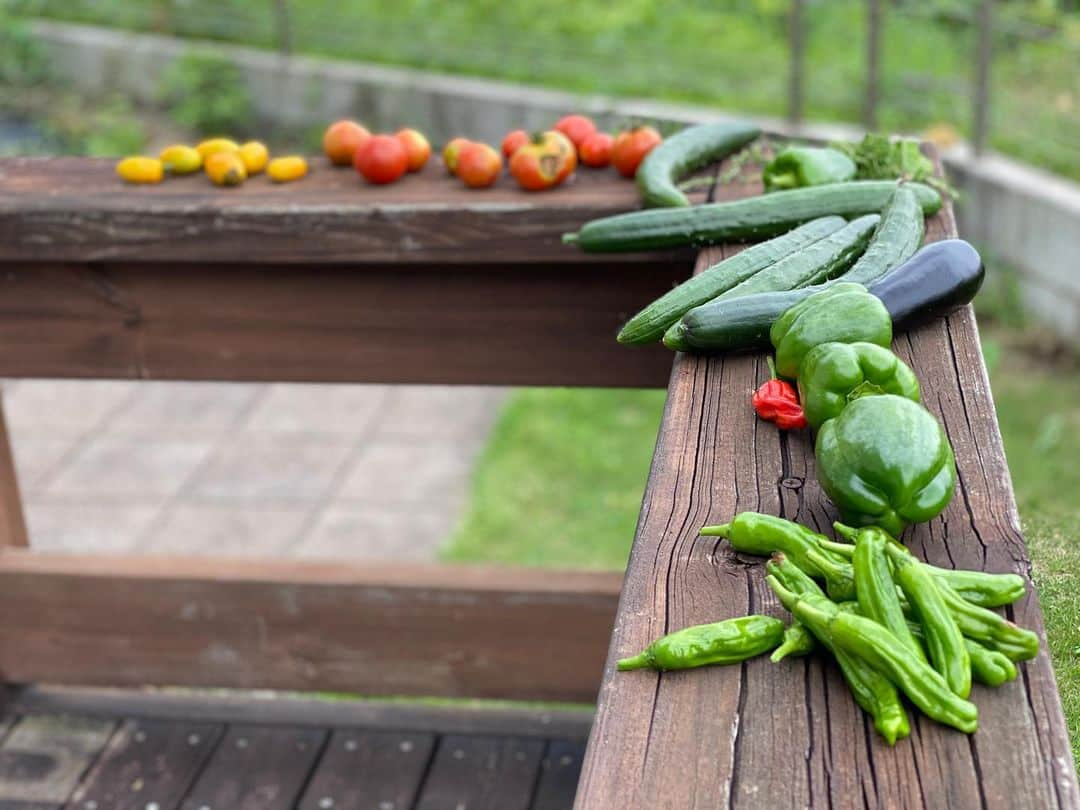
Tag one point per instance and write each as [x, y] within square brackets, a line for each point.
[297, 470]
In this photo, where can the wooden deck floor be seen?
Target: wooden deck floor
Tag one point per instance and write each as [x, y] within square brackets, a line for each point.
[116, 750]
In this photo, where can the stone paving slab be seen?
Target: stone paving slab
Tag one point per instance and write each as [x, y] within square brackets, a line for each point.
[354, 471]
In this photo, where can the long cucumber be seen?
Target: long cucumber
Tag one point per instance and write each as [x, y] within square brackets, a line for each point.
[649, 325]
[684, 152]
[822, 260]
[741, 220]
[720, 326]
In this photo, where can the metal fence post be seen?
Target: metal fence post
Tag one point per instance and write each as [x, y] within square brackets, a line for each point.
[982, 76]
[795, 77]
[873, 62]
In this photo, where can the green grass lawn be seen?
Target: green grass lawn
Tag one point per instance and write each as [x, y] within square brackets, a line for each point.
[561, 480]
[732, 55]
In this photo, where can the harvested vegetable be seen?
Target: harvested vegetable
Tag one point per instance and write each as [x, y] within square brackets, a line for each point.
[726, 642]
[225, 168]
[631, 147]
[381, 159]
[844, 313]
[417, 148]
[875, 590]
[286, 169]
[255, 156]
[342, 139]
[684, 152]
[211, 146]
[833, 374]
[800, 166]
[181, 159]
[885, 461]
[544, 162]
[595, 150]
[776, 401]
[575, 127]
[141, 170]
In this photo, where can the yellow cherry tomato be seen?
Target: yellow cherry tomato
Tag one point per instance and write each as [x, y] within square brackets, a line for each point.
[212, 145]
[181, 159]
[141, 170]
[286, 169]
[225, 169]
[255, 156]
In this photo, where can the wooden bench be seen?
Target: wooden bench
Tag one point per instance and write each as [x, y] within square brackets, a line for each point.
[328, 280]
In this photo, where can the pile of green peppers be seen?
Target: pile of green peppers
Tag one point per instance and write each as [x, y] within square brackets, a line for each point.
[895, 626]
[882, 458]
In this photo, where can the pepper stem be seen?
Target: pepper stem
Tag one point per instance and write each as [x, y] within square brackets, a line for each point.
[569, 238]
[640, 661]
[772, 367]
[720, 530]
[845, 531]
[843, 549]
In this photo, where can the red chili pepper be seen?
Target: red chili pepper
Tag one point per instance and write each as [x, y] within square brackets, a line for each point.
[776, 401]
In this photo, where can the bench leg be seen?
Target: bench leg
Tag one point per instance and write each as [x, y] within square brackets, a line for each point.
[12, 524]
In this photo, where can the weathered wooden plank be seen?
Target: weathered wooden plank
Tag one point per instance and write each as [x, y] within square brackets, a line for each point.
[76, 209]
[12, 522]
[147, 764]
[559, 772]
[476, 324]
[382, 629]
[369, 769]
[307, 712]
[482, 773]
[777, 736]
[43, 758]
[256, 768]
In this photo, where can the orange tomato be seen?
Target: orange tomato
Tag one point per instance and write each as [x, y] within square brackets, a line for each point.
[544, 162]
[631, 147]
[576, 127]
[342, 139]
[478, 165]
[513, 141]
[416, 146]
[450, 153]
[595, 150]
[381, 159]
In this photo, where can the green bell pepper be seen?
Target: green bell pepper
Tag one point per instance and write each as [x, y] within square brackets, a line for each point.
[799, 166]
[834, 374]
[842, 313]
[885, 461]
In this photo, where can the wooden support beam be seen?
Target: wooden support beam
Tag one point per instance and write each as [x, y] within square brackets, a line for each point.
[334, 626]
[12, 522]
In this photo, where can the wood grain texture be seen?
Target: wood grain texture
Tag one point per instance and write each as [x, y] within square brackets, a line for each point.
[481, 773]
[147, 765]
[43, 758]
[381, 629]
[789, 735]
[474, 324]
[559, 772]
[256, 768]
[77, 209]
[12, 522]
[368, 769]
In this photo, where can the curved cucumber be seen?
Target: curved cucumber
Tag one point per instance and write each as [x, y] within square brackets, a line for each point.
[684, 152]
[741, 220]
[649, 324]
[895, 240]
[822, 260]
[937, 278]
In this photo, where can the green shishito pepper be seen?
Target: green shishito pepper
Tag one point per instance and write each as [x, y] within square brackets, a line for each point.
[760, 534]
[867, 640]
[842, 313]
[834, 374]
[799, 166]
[726, 642]
[885, 461]
[877, 596]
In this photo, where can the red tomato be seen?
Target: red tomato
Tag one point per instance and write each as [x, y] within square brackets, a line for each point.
[450, 153]
[513, 141]
[544, 162]
[478, 165]
[575, 127]
[631, 147]
[417, 148]
[595, 150]
[342, 139]
[381, 159]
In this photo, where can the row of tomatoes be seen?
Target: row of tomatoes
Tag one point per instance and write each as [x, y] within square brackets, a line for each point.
[537, 162]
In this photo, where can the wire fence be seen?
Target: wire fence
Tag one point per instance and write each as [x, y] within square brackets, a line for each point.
[971, 66]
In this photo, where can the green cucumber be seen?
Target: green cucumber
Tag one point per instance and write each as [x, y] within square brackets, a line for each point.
[740, 220]
[895, 240]
[684, 152]
[822, 260]
[648, 325]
